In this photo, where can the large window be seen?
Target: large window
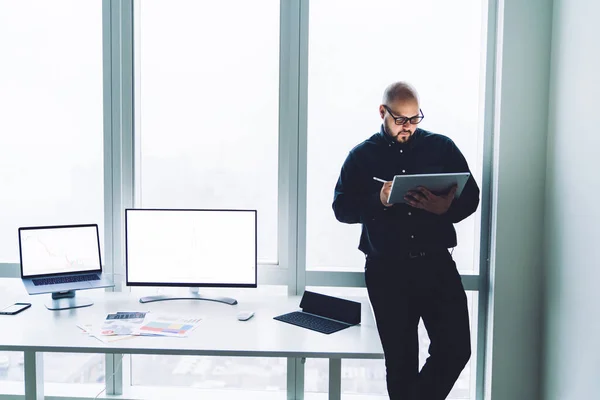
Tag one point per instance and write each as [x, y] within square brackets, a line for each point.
[207, 92]
[348, 69]
[206, 96]
[51, 139]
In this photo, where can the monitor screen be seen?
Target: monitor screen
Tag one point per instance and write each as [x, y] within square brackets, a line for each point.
[53, 250]
[193, 248]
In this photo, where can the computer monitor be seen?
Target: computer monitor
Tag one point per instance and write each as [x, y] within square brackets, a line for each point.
[60, 260]
[191, 248]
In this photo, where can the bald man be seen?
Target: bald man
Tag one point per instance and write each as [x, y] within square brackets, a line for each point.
[409, 272]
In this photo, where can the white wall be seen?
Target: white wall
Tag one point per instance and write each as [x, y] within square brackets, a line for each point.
[518, 205]
[572, 348]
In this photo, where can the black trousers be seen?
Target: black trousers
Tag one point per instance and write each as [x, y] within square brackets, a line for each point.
[402, 291]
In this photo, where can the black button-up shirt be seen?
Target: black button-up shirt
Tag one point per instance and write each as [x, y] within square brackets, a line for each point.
[388, 231]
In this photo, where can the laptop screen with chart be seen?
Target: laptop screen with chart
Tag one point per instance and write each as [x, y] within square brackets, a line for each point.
[62, 260]
[59, 250]
[191, 248]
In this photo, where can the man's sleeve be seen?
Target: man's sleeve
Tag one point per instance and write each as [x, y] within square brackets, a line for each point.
[468, 201]
[352, 203]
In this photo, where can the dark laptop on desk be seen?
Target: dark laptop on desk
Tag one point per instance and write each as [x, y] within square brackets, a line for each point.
[324, 314]
[61, 258]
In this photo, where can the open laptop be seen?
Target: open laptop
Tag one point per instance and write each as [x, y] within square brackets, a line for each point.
[58, 259]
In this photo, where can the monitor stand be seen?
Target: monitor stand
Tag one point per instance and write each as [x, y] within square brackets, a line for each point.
[194, 295]
[67, 300]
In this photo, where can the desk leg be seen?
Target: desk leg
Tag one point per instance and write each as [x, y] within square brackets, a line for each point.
[335, 379]
[113, 368]
[295, 378]
[34, 375]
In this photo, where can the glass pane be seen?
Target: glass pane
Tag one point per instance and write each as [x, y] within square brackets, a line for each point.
[74, 368]
[51, 141]
[248, 373]
[348, 70]
[58, 367]
[367, 377]
[11, 366]
[207, 92]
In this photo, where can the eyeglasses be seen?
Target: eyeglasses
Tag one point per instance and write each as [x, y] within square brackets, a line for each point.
[402, 120]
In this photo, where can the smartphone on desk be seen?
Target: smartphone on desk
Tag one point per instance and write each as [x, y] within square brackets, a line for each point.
[15, 308]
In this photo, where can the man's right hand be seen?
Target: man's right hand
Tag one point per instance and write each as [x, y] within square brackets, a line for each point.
[384, 194]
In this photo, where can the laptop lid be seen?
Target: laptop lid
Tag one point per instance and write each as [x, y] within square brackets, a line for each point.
[59, 250]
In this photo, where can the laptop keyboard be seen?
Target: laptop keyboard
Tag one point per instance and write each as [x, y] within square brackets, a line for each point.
[65, 279]
[312, 322]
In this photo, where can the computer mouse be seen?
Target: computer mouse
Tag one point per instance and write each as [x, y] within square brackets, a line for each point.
[245, 315]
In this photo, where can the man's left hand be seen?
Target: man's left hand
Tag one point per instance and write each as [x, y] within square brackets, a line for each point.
[424, 199]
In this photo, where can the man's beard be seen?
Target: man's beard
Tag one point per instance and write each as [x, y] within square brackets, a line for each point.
[396, 137]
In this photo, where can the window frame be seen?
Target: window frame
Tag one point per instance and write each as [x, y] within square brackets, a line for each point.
[120, 177]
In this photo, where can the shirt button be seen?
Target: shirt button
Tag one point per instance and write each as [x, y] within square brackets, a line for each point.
[401, 150]
[403, 171]
[409, 213]
[412, 236]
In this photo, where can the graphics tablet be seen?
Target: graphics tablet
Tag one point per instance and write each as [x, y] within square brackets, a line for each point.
[436, 183]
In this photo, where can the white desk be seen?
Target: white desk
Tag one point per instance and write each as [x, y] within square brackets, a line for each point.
[39, 330]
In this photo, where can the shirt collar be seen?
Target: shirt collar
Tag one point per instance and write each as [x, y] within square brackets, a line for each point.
[391, 142]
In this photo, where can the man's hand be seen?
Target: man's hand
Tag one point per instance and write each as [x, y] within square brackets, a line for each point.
[384, 193]
[424, 199]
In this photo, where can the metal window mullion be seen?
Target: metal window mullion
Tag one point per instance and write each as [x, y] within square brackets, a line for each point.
[288, 139]
[107, 65]
[301, 191]
[127, 117]
[302, 145]
[112, 169]
[118, 143]
[486, 193]
[288, 159]
[137, 122]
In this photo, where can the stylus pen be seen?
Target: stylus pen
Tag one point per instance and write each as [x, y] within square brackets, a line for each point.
[379, 180]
